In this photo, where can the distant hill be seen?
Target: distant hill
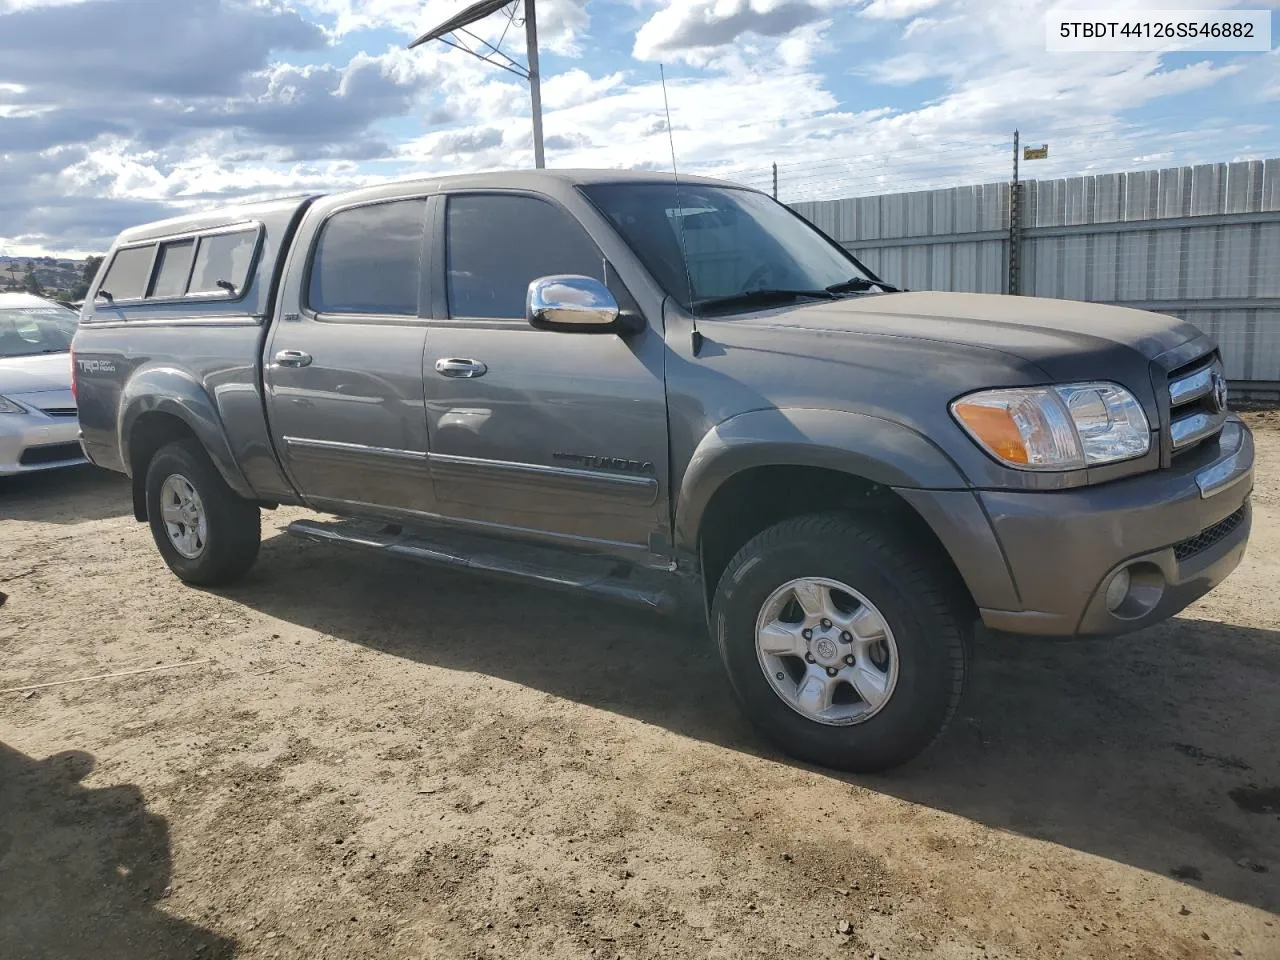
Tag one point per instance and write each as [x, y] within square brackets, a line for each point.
[56, 275]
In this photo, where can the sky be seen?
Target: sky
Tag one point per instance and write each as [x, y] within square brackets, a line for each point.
[118, 112]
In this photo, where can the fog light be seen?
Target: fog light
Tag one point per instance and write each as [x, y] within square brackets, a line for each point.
[1118, 589]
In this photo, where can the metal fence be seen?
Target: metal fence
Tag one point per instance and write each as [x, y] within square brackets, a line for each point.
[1202, 243]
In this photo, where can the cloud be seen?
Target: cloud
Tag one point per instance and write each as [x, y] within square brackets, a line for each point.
[720, 122]
[158, 72]
[562, 24]
[10, 6]
[468, 141]
[991, 57]
[897, 9]
[323, 109]
[170, 105]
[920, 25]
[684, 26]
[567, 141]
[158, 91]
[187, 48]
[312, 110]
[1264, 76]
[82, 218]
[802, 45]
[576, 86]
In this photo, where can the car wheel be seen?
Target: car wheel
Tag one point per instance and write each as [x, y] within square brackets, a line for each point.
[844, 646]
[206, 533]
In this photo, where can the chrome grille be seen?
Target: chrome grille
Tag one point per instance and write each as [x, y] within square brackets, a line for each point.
[1197, 403]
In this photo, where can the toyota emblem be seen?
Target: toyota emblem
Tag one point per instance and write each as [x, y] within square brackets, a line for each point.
[1218, 394]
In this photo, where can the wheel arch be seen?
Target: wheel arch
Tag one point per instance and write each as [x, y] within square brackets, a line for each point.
[162, 405]
[760, 468]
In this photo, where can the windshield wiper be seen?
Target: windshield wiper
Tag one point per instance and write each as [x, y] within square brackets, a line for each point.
[859, 285]
[764, 297]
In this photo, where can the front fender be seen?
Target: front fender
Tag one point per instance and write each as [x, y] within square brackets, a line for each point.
[870, 447]
[175, 392]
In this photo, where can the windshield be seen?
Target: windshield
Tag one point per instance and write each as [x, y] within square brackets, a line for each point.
[26, 331]
[737, 240]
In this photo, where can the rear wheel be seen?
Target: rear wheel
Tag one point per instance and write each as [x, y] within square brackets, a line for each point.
[844, 646]
[206, 533]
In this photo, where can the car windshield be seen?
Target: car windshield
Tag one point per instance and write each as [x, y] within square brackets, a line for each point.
[738, 242]
[27, 331]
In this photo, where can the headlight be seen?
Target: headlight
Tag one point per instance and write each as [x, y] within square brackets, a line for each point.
[1066, 427]
[8, 406]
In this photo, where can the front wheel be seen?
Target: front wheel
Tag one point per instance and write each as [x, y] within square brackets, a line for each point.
[844, 646]
[206, 533]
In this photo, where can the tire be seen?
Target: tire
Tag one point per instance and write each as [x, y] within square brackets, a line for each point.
[232, 530]
[905, 599]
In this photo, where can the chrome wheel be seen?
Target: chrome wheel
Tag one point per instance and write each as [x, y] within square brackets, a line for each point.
[827, 651]
[184, 516]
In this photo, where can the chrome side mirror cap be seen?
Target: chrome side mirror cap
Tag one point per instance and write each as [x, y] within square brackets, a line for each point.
[571, 304]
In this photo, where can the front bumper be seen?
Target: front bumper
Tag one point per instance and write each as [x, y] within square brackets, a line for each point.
[33, 441]
[1041, 563]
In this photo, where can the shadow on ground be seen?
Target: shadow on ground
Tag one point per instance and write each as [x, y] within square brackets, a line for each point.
[1128, 749]
[71, 495]
[81, 870]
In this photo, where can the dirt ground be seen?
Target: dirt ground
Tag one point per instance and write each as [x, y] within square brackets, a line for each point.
[382, 760]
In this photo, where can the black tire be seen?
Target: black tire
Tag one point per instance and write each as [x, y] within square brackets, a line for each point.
[915, 597]
[234, 529]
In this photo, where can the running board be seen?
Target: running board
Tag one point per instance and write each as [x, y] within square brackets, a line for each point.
[513, 561]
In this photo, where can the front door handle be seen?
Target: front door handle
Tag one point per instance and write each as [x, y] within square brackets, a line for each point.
[293, 358]
[458, 367]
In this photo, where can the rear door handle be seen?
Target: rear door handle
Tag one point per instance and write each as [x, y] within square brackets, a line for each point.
[458, 367]
[293, 358]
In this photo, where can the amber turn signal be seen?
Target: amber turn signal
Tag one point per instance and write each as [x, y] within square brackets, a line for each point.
[995, 429]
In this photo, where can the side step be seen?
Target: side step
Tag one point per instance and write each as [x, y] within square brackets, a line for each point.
[518, 562]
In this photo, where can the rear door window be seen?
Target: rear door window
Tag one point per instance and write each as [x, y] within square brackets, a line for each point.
[368, 260]
[129, 273]
[500, 243]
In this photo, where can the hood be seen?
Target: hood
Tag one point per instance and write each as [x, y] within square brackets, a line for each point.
[44, 371]
[1055, 335]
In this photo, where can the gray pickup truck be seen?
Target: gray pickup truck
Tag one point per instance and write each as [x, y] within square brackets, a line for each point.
[677, 394]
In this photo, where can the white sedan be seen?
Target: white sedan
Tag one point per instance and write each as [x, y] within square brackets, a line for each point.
[38, 426]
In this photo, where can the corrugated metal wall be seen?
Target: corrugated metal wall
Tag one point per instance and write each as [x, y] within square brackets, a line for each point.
[1198, 242]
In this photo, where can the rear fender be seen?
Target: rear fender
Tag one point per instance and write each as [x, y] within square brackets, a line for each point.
[175, 392]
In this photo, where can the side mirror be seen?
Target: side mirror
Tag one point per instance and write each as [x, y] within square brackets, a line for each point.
[572, 304]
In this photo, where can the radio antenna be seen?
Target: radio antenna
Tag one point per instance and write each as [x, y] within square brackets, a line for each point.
[684, 252]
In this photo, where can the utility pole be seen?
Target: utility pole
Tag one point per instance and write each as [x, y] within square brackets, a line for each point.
[1015, 223]
[535, 81]
[454, 33]
[775, 181]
